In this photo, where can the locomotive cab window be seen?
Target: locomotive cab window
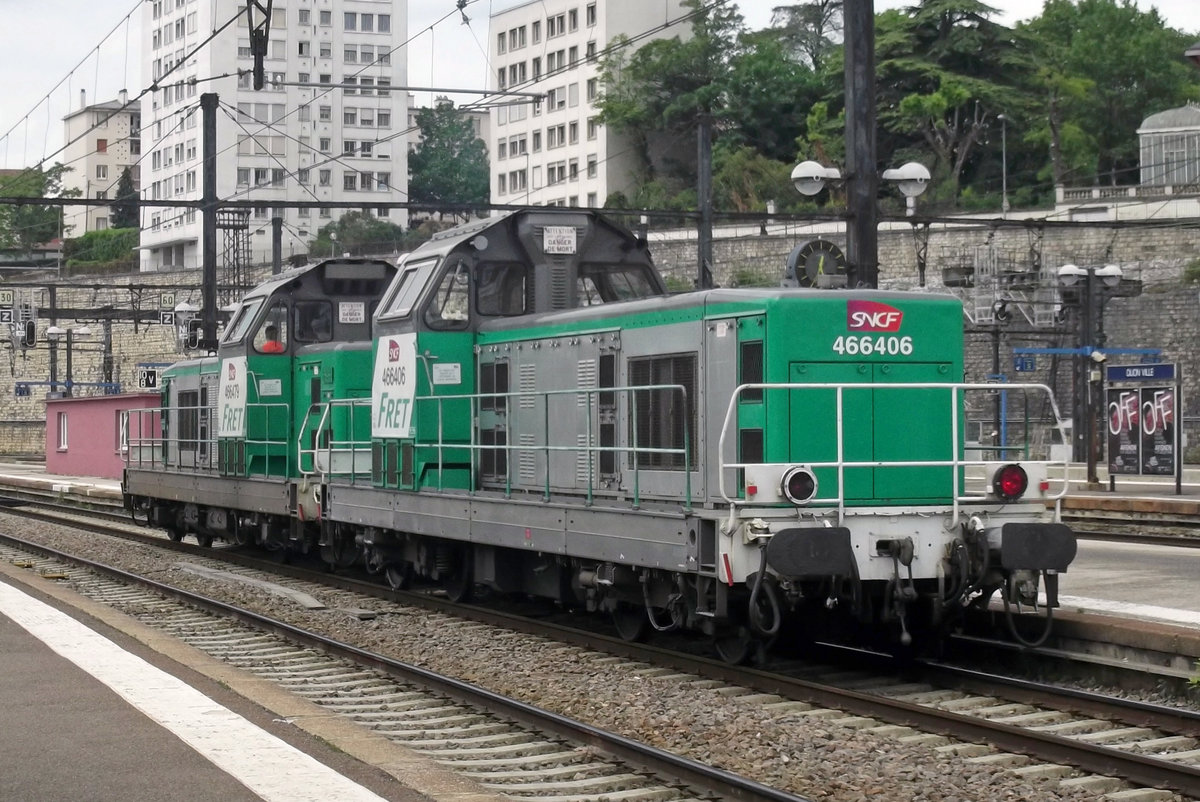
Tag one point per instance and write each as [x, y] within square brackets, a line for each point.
[406, 288]
[314, 321]
[500, 289]
[602, 284]
[449, 306]
[272, 335]
[242, 319]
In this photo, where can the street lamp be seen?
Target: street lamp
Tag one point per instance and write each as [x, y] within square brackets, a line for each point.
[56, 333]
[1090, 296]
[332, 244]
[1003, 165]
[912, 179]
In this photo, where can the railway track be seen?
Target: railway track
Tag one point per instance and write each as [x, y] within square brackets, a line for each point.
[503, 744]
[1035, 730]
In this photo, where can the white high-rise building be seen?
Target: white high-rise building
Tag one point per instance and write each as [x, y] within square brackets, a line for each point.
[290, 141]
[102, 141]
[553, 152]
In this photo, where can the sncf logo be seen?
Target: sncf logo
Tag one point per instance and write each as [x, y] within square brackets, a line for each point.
[393, 351]
[872, 316]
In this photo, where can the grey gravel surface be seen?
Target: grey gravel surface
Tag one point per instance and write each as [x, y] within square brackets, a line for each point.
[801, 753]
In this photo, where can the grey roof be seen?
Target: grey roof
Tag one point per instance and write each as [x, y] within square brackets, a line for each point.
[1172, 119]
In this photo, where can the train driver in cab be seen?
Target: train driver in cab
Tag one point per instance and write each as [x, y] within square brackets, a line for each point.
[272, 344]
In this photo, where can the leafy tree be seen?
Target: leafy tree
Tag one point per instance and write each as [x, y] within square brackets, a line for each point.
[659, 93]
[810, 30]
[1111, 65]
[125, 206]
[356, 233]
[946, 70]
[24, 226]
[767, 93]
[449, 164]
[744, 180]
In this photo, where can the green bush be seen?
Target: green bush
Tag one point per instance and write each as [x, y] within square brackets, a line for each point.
[1191, 272]
[102, 247]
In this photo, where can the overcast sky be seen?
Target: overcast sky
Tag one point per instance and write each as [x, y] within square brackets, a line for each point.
[54, 48]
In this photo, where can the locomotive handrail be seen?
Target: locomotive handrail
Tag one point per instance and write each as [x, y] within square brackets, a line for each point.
[333, 447]
[590, 448]
[154, 449]
[841, 464]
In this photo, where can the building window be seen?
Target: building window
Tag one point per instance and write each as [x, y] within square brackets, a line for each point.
[326, 18]
[383, 23]
[349, 181]
[62, 431]
[102, 146]
[351, 21]
[101, 171]
[323, 177]
[589, 14]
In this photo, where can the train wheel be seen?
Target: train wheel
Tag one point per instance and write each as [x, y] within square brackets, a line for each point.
[174, 535]
[398, 575]
[205, 541]
[460, 587]
[630, 621]
[735, 644]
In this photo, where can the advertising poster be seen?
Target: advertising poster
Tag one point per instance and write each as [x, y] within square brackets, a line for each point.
[1157, 415]
[1124, 431]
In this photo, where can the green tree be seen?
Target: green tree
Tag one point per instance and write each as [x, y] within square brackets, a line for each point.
[125, 206]
[1110, 66]
[657, 96]
[744, 180]
[767, 94]
[810, 30]
[945, 71]
[449, 164]
[357, 233]
[26, 225]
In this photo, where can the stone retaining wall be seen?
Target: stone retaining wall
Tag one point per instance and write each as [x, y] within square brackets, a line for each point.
[1166, 315]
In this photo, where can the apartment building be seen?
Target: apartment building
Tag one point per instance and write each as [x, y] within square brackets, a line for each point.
[328, 126]
[552, 151]
[102, 140]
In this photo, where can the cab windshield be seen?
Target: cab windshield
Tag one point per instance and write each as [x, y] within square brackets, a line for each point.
[242, 319]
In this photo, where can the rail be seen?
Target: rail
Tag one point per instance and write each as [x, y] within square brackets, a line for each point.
[957, 463]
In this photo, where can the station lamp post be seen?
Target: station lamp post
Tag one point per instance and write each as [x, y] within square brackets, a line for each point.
[1004, 207]
[912, 179]
[55, 334]
[1091, 286]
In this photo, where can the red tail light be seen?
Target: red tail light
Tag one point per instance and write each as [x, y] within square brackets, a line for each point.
[1010, 482]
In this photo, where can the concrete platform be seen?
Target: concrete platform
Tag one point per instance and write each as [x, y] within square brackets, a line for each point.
[99, 707]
